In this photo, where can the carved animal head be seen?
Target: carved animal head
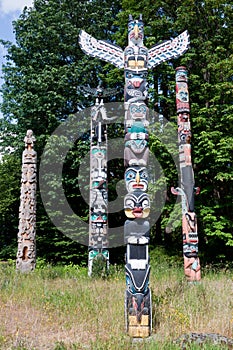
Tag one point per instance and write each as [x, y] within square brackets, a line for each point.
[135, 31]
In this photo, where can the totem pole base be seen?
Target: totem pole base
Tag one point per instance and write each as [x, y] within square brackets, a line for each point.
[98, 262]
[25, 266]
[136, 330]
[138, 322]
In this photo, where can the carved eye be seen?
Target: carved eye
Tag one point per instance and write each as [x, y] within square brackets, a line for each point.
[182, 137]
[143, 109]
[130, 175]
[145, 203]
[134, 109]
[143, 174]
[129, 75]
[130, 27]
[94, 216]
[129, 203]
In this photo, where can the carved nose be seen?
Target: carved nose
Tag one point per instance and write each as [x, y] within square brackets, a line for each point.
[136, 31]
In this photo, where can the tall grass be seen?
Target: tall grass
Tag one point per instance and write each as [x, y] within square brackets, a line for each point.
[60, 308]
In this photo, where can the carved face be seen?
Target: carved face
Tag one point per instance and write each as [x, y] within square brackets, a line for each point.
[135, 85]
[137, 205]
[99, 153]
[98, 217]
[181, 75]
[136, 178]
[135, 32]
[135, 79]
[137, 111]
[182, 92]
[137, 146]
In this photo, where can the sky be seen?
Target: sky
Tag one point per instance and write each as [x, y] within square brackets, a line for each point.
[9, 11]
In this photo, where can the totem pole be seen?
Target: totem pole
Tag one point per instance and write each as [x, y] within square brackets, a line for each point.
[98, 257]
[187, 188]
[26, 254]
[136, 59]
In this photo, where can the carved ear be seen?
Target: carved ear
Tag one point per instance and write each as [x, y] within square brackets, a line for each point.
[140, 17]
[130, 18]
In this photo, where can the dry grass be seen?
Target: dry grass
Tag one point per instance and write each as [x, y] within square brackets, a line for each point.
[61, 309]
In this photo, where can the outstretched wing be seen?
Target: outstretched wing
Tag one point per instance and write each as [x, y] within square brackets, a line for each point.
[86, 89]
[101, 49]
[168, 49]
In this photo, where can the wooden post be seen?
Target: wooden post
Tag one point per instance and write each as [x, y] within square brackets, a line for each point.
[26, 254]
[187, 188]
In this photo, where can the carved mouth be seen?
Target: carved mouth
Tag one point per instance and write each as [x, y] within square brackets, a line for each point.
[137, 212]
[138, 186]
[136, 84]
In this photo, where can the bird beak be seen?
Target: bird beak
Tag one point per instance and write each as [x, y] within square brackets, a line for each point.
[136, 31]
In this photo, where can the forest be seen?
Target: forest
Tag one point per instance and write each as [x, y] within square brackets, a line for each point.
[43, 76]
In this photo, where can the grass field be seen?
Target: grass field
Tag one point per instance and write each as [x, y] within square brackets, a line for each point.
[60, 308]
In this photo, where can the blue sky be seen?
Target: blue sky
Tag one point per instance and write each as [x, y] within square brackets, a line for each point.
[9, 11]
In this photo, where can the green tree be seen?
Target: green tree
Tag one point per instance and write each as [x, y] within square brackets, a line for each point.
[46, 65]
[43, 71]
[9, 205]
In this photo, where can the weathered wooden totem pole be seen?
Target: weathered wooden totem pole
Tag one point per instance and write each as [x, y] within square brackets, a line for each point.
[26, 254]
[136, 59]
[187, 188]
[98, 216]
[98, 256]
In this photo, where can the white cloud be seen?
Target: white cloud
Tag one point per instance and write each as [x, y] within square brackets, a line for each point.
[10, 6]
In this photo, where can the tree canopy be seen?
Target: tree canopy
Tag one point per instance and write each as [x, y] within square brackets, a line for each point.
[45, 66]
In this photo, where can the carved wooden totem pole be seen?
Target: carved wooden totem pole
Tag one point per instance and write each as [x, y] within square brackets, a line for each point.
[98, 256]
[26, 254]
[98, 216]
[136, 59]
[187, 188]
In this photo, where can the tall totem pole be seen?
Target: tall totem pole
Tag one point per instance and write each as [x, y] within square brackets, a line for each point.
[136, 59]
[98, 256]
[187, 188]
[26, 254]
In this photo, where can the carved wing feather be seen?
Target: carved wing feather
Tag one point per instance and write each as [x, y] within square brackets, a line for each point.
[168, 49]
[102, 49]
